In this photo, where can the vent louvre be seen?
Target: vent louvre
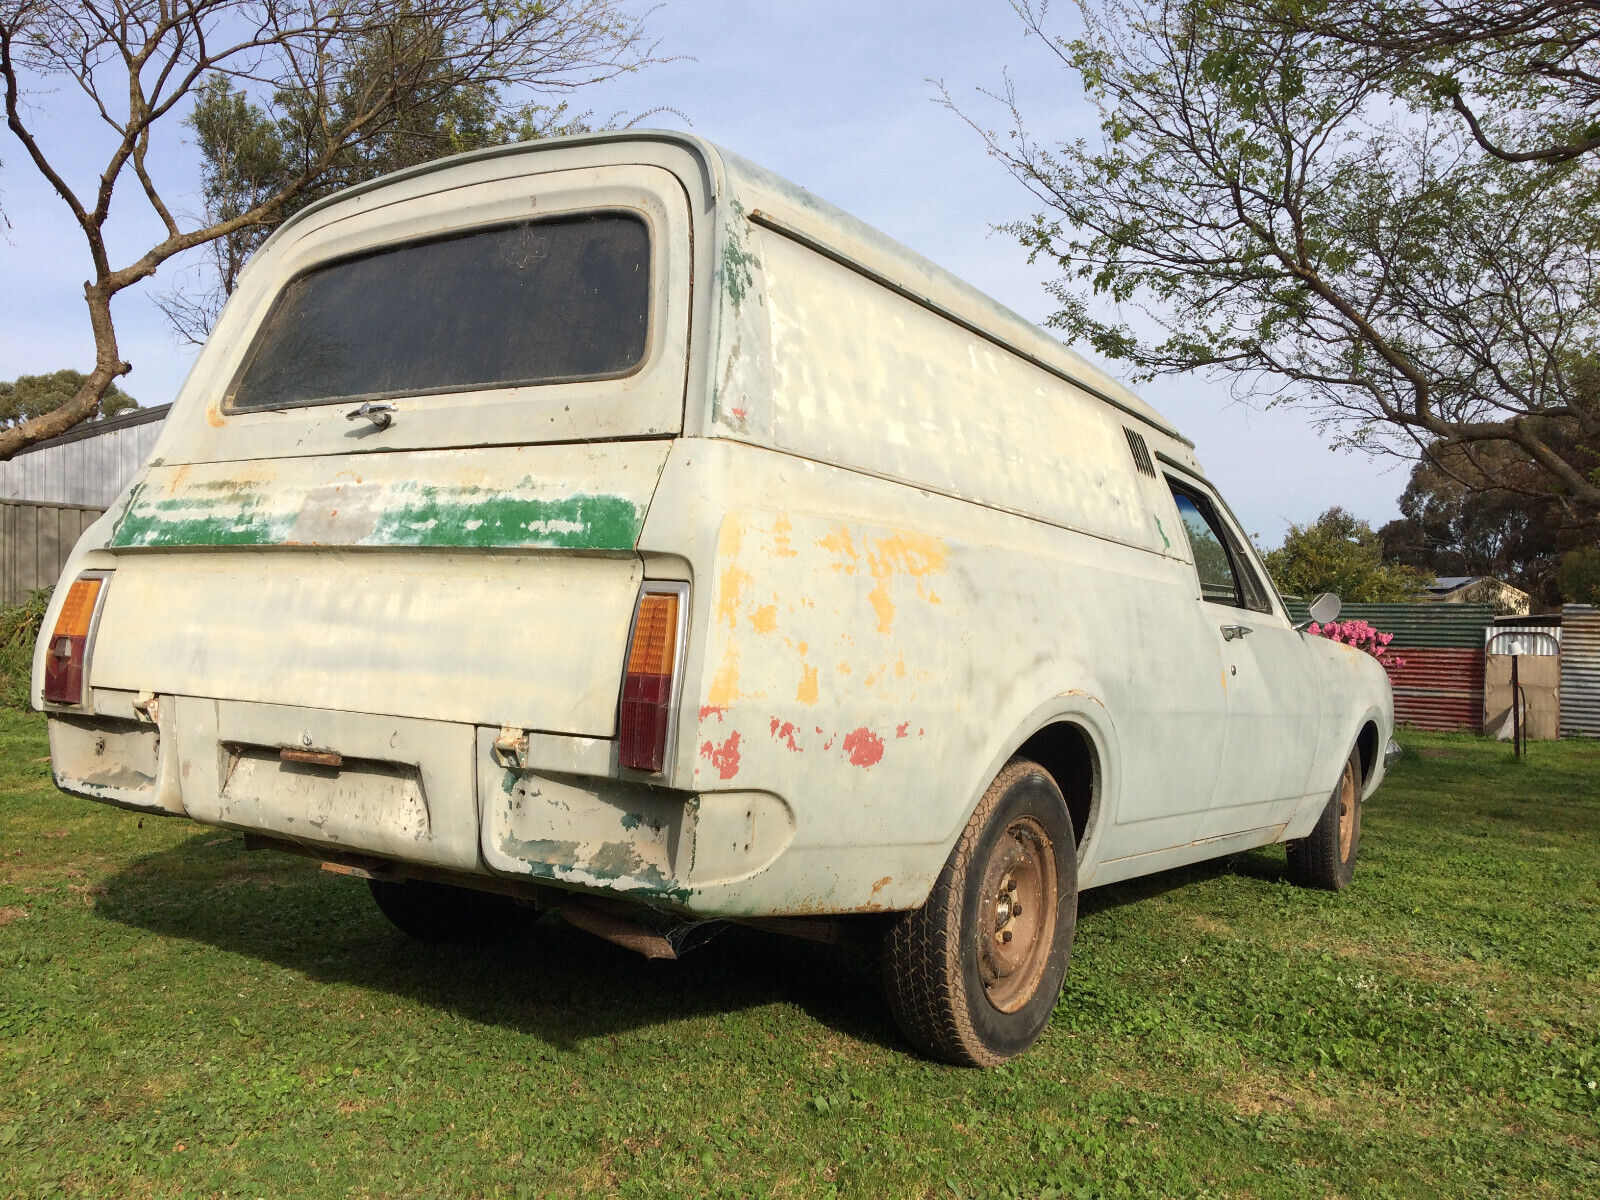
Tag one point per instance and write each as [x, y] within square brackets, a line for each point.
[1140, 452]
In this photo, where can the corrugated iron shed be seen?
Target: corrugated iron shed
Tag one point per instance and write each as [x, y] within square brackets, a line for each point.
[1418, 624]
[1440, 685]
[1438, 688]
[1580, 671]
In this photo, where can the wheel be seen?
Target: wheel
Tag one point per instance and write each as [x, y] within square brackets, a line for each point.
[438, 912]
[973, 974]
[1326, 857]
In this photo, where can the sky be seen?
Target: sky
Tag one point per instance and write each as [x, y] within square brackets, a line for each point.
[838, 96]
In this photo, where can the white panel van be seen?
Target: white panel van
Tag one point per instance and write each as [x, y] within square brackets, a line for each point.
[606, 523]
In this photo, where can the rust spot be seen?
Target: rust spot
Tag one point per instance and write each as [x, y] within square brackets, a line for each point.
[214, 416]
[881, 884]
[863, 746]
[725, 758]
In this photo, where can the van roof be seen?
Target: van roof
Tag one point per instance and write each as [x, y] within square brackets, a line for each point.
[783, 205]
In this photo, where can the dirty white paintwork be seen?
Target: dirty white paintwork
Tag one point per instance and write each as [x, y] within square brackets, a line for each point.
[911, 524]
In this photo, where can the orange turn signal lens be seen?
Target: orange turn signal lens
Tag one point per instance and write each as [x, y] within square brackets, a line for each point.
[647, 687]
[69, 642]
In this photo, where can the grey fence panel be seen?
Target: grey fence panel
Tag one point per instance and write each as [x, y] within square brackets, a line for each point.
[35, 540]
[1580, 671]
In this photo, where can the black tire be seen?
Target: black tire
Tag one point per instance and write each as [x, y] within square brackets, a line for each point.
[957, 991]
[440, 913]
[1326, 857]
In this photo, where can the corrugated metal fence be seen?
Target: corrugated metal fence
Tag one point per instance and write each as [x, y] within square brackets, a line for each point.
[1580, 671]
[1440, 684]
[35, 540]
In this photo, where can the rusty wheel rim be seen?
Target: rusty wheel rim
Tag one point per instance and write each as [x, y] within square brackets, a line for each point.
[1347, 812]
[1017, 915]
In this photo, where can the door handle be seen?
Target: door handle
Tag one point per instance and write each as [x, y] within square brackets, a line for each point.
[379, 412]
[1230, 632]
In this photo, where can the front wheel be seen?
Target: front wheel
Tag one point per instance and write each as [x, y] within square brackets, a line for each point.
[1326, 857]
[973, 975]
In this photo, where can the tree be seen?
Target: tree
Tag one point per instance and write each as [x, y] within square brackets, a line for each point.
[29, 396]
[248, 155]
[345, 77]
[1340, 553]
[1455, 521]
[1579, 576]
[1296, 215]
[1530, 62]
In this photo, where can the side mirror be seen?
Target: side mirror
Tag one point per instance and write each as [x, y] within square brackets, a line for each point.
[1325, 608]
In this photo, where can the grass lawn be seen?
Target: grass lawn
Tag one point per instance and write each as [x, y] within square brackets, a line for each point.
[179, 1017]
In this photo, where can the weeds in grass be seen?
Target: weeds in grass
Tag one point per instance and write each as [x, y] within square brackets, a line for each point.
[19, 630]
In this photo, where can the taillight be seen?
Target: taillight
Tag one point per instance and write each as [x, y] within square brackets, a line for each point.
[647, 687]
[69, 642]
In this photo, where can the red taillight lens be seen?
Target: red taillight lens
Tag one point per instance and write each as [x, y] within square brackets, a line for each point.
[69, 643]
[647, 687]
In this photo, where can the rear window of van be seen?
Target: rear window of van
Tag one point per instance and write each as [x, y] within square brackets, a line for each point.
[552, 301]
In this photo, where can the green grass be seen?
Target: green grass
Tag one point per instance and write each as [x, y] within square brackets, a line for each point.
[181, 1018]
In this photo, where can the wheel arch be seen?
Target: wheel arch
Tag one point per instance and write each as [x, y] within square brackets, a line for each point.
[1071, 736]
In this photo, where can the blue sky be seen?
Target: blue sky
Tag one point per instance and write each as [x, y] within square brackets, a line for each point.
[832, 94]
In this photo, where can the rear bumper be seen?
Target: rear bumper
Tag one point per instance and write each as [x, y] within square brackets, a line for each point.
[441, 797]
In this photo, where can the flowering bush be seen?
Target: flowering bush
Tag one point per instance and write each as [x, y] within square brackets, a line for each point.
[1362, 636]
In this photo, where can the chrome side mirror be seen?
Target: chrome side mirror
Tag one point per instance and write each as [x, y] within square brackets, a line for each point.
[1324, 608]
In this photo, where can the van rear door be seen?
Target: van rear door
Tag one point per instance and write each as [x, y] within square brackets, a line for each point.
[465, 550]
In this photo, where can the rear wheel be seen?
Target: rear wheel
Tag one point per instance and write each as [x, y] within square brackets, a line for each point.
[1326, 857]
[438, 912]
[973, 975]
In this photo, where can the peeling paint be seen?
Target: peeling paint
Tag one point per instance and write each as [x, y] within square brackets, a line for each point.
[784, 732]
[863, 746]
[725, 758]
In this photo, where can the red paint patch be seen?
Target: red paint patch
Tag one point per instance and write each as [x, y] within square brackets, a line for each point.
[712, 710]
[741, 413]
[863, 746]
[900, 731]
[785, 733]
[725, 758]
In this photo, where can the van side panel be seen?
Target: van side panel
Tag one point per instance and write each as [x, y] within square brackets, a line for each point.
[866, 652]
[867, 379]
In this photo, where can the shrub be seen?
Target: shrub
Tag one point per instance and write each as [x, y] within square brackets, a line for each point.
[1362, 636]
[19, 629]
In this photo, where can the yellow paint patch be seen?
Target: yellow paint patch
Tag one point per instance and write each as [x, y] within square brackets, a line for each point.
[765, 618]
[843, 548]
[781, 529]
[806, 693]
[731, 586]
[724, 688]
[912, 554]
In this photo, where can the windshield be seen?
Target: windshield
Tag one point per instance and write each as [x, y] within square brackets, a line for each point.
[552, 301]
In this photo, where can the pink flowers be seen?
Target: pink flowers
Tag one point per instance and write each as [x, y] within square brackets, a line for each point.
[1362, 636]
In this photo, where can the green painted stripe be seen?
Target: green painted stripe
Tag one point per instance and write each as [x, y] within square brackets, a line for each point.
[420, 516]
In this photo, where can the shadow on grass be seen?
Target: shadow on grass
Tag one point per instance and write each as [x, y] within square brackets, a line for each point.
[552, 981]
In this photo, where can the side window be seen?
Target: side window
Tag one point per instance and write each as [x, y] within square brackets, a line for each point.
[1226, 576]
[1217, 581]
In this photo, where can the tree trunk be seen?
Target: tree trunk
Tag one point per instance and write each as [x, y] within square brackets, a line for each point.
[86, 403]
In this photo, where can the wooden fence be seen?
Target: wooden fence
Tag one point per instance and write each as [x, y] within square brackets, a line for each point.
[35, 540]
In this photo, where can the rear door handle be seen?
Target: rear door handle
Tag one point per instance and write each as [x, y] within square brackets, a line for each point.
[1230, 632]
